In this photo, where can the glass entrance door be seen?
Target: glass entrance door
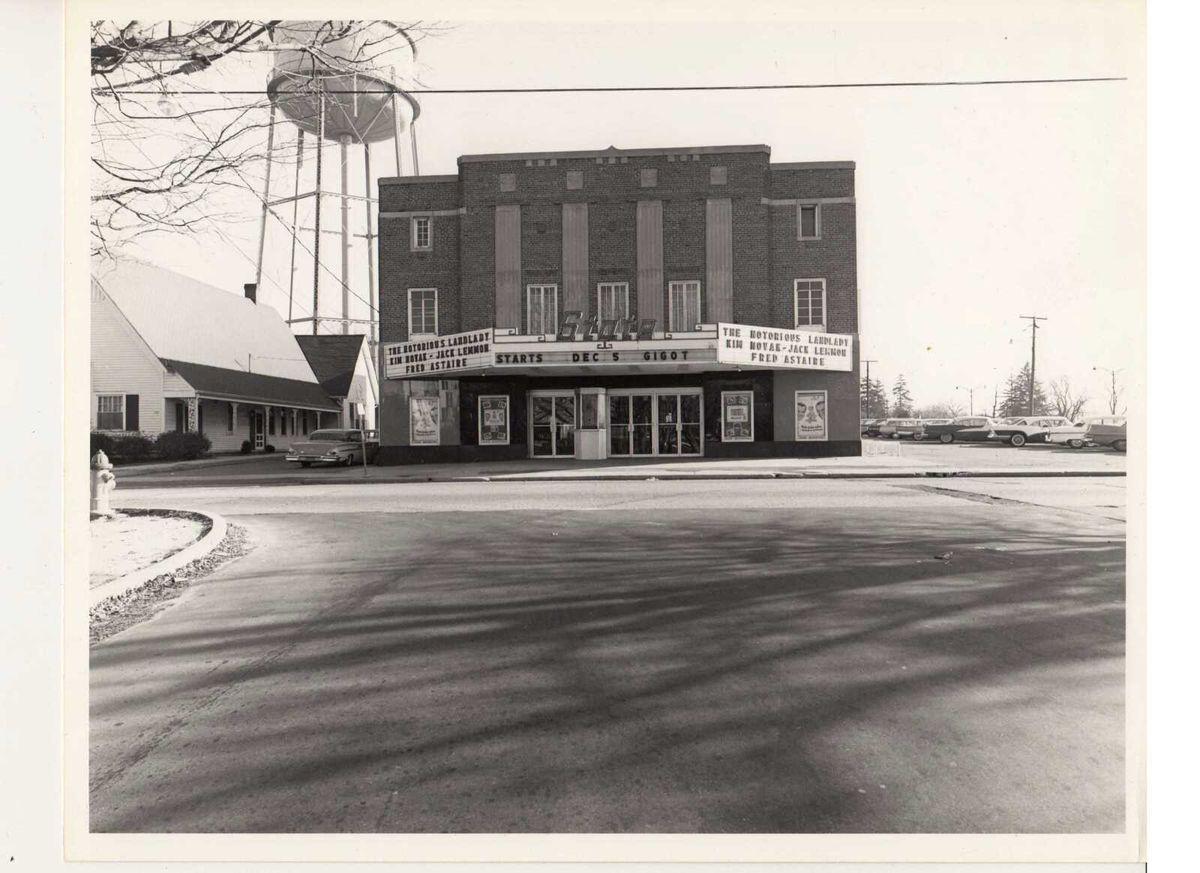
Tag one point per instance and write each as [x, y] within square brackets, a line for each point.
[658, 422]
[552, 425]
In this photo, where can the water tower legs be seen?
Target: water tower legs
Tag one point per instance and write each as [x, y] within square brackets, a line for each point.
[266, 199]
[295, 220]
[344, 140]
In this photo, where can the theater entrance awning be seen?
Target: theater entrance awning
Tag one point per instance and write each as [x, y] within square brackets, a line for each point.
[717, 347]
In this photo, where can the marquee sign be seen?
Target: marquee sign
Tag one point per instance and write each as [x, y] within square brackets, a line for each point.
[778, 349]
[439, 356]
[619, 347]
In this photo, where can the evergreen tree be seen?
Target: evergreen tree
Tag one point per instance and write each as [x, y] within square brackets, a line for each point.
[902, 401]
[1016, 396]
[873, 399]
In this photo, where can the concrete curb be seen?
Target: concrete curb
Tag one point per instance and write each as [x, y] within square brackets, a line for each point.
[137, 578]
[628, 477]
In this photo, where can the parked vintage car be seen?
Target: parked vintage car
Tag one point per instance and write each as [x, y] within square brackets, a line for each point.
[969, 428]
[1033, 429]
[871, 426]
[344, 447]
[923, 425]
[1073, 435]
[895, 428]
[1107, 430]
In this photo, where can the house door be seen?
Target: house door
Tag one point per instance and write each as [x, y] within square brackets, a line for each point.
[552, 424]
[258, 429]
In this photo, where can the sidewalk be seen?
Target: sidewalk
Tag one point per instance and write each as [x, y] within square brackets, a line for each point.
[949, 464]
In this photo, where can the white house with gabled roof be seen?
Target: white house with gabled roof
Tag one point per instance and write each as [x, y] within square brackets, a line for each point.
[172, 353]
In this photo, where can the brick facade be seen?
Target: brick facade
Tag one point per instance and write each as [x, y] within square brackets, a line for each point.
[767, 255]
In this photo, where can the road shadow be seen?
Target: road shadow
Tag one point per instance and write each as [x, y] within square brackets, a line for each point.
[612, 672]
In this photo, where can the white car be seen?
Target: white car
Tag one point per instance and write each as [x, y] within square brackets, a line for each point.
[1033, 429]
[1073, 435]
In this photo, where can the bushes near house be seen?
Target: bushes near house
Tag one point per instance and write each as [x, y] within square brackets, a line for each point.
[122, 446]
[132, 447]
[102, 442]
[181, 446]
[246, 447]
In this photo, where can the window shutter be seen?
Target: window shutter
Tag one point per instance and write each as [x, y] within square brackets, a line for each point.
[131, 412]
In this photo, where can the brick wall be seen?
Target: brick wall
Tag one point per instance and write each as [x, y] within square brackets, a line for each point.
[767, 256]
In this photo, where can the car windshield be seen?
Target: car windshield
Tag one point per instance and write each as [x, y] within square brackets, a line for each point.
[329, 436]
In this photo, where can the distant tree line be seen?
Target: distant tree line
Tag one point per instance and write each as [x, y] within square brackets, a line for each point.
[1011, 401]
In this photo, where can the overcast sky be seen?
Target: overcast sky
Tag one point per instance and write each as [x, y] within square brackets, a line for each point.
[976, 205]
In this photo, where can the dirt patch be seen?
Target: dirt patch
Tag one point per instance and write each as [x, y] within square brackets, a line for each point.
[137, 538]
[114, 614]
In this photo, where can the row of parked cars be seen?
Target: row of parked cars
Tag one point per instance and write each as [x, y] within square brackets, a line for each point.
[1105, 430]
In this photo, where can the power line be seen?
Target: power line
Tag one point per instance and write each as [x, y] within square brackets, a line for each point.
[802, 86]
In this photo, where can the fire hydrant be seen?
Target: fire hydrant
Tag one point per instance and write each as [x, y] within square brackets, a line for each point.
[103, 482]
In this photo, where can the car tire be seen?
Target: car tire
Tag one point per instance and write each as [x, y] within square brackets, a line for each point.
[1017, 439]
[1119, 445]
[306, 464]
[1075, 444]
[947, 438]
[350, 460]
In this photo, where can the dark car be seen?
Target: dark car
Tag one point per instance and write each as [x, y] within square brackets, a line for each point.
[967, 429]
[1107, 430]
[343, 447]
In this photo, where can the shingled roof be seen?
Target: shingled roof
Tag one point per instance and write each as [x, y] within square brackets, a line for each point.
[333, 358]
[241, 387]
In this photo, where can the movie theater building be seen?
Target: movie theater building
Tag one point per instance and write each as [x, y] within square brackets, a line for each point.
[676, 302]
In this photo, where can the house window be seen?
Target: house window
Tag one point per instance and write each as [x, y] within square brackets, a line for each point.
[422, 312]
[508, 181]
[542, 309]
[574, 180]
[422, 233]
[612, 300]
[229, 422]
[718, 175]
[685, 306]
[808, 221]
[110, 412]
[810, 303]
[649, 178]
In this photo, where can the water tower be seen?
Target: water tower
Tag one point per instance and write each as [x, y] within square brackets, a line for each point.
[335, 83]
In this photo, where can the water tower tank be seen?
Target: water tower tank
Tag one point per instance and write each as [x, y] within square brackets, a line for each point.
[347, 76]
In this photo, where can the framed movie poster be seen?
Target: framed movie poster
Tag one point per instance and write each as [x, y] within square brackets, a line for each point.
[424, 420]
[737, 416]
[493, 420]
[811, 420]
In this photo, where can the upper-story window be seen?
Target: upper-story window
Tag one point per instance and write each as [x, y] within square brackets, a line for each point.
[574, 180]
[808, 221]
[612, 300]
[718, 175]
[648, 177]
[541, 309]
[810, 304]
[422, 233]
[508, 181]
[422, 313]
[684, 298]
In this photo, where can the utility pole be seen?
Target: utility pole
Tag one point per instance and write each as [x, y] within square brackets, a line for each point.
[1034, 319]
[869, 363]
[1112, 394]
[970, 389]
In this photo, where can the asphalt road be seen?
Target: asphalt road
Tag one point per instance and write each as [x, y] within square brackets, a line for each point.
[752, 656]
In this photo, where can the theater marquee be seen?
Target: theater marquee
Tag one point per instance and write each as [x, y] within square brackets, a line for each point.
[720, 347]
[777, 349]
